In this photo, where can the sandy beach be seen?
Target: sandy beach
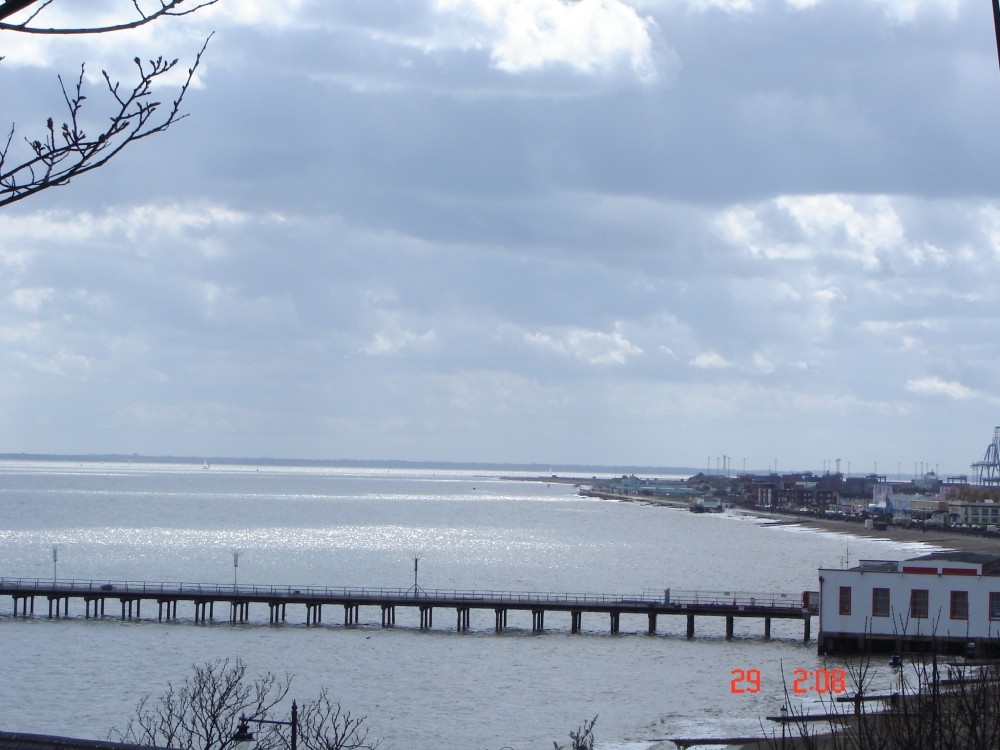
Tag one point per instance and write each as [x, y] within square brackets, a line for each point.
[946, 539]
[953, 540]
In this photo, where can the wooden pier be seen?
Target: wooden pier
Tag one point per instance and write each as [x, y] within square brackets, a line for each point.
[200, 599]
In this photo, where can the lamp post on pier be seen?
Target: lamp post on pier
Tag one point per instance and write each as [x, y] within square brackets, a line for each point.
[243, 733]
[416, 587]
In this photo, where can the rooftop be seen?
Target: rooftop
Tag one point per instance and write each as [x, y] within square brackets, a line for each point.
[878, 566]
[974, 558]
[19, 741]
[988, 562]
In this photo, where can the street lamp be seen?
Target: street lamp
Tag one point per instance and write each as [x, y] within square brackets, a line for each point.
[243, 733]
[415, 588]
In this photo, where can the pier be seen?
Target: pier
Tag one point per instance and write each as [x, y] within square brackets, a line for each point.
[91, 599]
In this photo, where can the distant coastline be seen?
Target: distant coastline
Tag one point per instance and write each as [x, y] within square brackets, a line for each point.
[540, 468]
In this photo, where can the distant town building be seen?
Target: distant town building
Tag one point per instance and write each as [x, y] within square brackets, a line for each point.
[632, 485]
[974, 514]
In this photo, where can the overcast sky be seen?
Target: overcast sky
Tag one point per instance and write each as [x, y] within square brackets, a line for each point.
[643, 232]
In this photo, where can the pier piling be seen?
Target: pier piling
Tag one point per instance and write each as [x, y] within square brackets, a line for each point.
[537, 620]
[426, 617]
[388, 615]
[351, 613]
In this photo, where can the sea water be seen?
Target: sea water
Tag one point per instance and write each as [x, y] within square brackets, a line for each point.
[435, 529]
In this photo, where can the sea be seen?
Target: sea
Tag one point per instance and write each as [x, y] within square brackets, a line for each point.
[438, 529]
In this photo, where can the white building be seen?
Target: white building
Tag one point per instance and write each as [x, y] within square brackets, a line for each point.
[975, 514]
[946, 601]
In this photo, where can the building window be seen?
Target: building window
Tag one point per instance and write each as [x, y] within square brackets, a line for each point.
[918, 603]
[995, 605]
[959, 605]
[880, 602]
[845, 600]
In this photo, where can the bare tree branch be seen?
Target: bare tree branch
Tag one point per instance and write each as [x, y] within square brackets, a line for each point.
[325, 725]
[59, 155]
[582, 738]
[10, 7]
[165, 8]
[205, 710]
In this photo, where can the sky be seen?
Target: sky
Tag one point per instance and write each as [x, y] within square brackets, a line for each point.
[615, 232]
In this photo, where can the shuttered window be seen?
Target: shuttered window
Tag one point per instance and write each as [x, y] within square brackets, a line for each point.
[845, 600]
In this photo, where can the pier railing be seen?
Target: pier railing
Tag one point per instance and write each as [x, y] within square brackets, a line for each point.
[204, 596]
[651, 598]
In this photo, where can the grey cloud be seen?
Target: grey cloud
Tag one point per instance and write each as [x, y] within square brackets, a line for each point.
[366, 242]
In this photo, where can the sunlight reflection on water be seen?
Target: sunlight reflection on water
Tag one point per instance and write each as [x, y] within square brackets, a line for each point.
[422, 690]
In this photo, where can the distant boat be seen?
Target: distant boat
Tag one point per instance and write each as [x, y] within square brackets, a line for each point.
[207, 465]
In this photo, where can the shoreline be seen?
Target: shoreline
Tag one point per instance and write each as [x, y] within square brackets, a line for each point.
[949, 540]
[943, 538]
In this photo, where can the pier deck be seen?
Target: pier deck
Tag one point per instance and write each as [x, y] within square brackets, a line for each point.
[130, 595]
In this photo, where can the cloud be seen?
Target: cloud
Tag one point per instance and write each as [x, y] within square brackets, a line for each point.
[763, 363]
[902, 334]
[133, 223]
[410, 229]
[61, 365]
[31, 299]
[394, 340]
[906, 11]
[935, 386]
[588, 36]
[593, 347]
[260, 13]
[863, 227]
[741, 6]
[900, 11]
[710, 361]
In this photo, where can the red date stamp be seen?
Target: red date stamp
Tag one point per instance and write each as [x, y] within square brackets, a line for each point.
[804, 681]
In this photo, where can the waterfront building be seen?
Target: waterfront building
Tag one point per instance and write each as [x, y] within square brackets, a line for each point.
[947, 602]
[974, 514]
[791, 492]
[630, 484]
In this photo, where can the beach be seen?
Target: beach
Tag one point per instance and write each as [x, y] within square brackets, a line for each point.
[953, 540]
[944, 538]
